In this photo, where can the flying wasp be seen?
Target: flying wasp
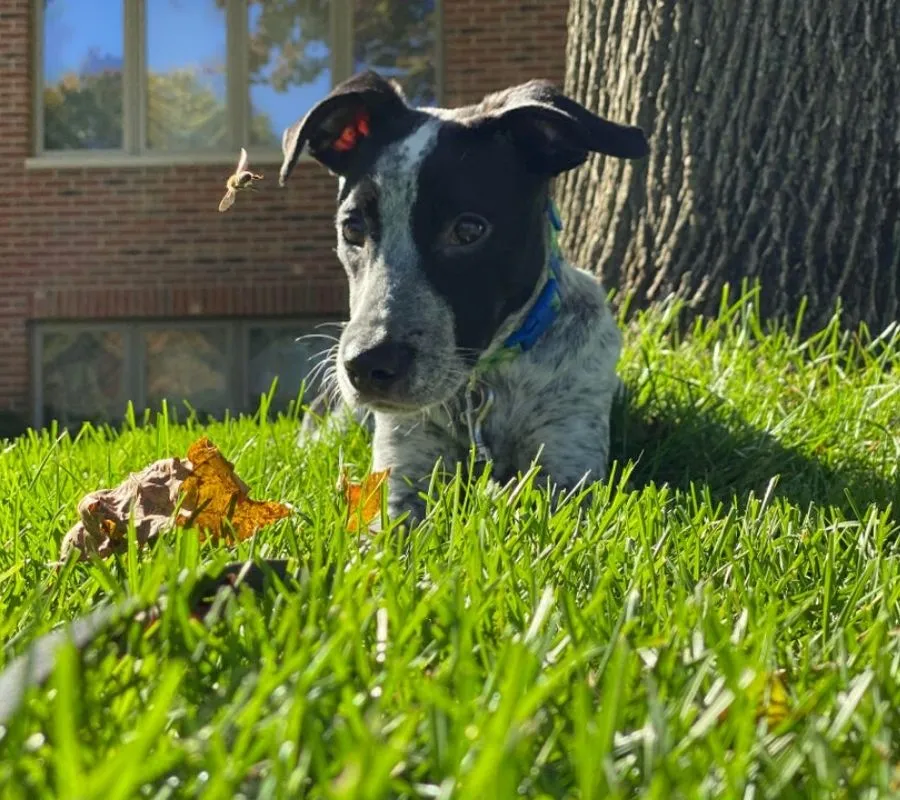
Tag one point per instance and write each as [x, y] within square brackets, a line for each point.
[240, 180]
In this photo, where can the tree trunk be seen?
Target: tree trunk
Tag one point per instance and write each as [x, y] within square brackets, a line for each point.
[775, 152]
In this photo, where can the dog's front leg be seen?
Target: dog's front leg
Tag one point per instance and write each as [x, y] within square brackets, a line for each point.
[404, 499]
[574, 451]
[411, 453]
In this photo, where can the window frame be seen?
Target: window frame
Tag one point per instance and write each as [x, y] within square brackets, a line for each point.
[237, 332]
[134, 151]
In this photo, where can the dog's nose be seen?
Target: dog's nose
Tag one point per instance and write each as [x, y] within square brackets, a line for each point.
[379, 368]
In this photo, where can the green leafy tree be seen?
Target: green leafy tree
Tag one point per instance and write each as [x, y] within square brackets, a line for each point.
[84, 111]
[182, 114]
[290, 42]
[398, 37]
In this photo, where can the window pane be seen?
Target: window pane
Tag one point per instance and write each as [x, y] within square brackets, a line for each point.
[83, 376]
[289, 63]
[186, 75]
[397, 39]
[282, 353]
[83, 63]
[188, 365]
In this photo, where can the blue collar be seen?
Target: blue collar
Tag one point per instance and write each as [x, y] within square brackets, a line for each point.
[545, 308]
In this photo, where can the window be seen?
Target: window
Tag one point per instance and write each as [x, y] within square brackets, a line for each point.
[82, 374]
[89, 372]
[289, 59]
[288, 354]
[184, 78]
[396, 39]
[187, 365]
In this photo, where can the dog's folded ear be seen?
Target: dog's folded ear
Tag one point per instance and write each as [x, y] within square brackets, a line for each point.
[336, 128]
[554, 132]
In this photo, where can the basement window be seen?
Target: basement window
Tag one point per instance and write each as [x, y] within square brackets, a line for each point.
[88, 372]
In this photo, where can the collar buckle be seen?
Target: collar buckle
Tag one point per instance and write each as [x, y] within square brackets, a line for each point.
[479, 400]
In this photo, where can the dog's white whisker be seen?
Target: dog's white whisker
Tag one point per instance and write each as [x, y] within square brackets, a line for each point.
[328, 354]
[308, 336]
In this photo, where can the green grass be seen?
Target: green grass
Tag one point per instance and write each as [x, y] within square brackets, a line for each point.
[750, 525]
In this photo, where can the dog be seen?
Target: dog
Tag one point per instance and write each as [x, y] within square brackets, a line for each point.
[468, 328]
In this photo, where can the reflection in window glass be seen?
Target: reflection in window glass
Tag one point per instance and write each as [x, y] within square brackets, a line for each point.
[186, 75]
[397, 38]
[82, 376]
[281, 353]
[289, 63]
[189, 366]
[83, 54]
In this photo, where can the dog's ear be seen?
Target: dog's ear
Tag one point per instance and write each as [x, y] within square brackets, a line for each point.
[335, 128]
[554, 132]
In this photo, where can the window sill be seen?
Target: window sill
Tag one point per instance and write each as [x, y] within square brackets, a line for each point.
[106, 160]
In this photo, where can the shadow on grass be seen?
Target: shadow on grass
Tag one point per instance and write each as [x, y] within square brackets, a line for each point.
[682, 446]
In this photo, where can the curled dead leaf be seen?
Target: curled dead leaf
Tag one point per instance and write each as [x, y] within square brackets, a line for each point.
[204, 490]
[148, 497]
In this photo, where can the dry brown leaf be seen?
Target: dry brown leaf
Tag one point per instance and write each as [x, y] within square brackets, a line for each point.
[149, 496]
[363, 499]
[210, 492]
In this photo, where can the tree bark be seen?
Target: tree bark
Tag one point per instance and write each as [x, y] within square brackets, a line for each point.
[775, 152]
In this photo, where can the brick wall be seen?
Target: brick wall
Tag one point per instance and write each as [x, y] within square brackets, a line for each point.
[147, 242]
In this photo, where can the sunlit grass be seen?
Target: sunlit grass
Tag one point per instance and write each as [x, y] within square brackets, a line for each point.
[749, 526]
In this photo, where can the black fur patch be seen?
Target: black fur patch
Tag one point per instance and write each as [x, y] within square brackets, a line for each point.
[475, 171]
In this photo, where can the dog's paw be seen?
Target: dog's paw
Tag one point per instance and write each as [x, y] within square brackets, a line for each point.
[409, 510]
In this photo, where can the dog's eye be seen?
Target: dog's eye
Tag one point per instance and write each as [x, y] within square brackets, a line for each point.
[353, 229]
[467, 230]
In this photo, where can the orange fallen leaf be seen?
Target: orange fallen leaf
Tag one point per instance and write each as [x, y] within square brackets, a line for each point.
[363, 499]
[213, 499]
[217, 500]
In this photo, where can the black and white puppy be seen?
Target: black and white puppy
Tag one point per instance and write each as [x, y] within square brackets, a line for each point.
[467, 327]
